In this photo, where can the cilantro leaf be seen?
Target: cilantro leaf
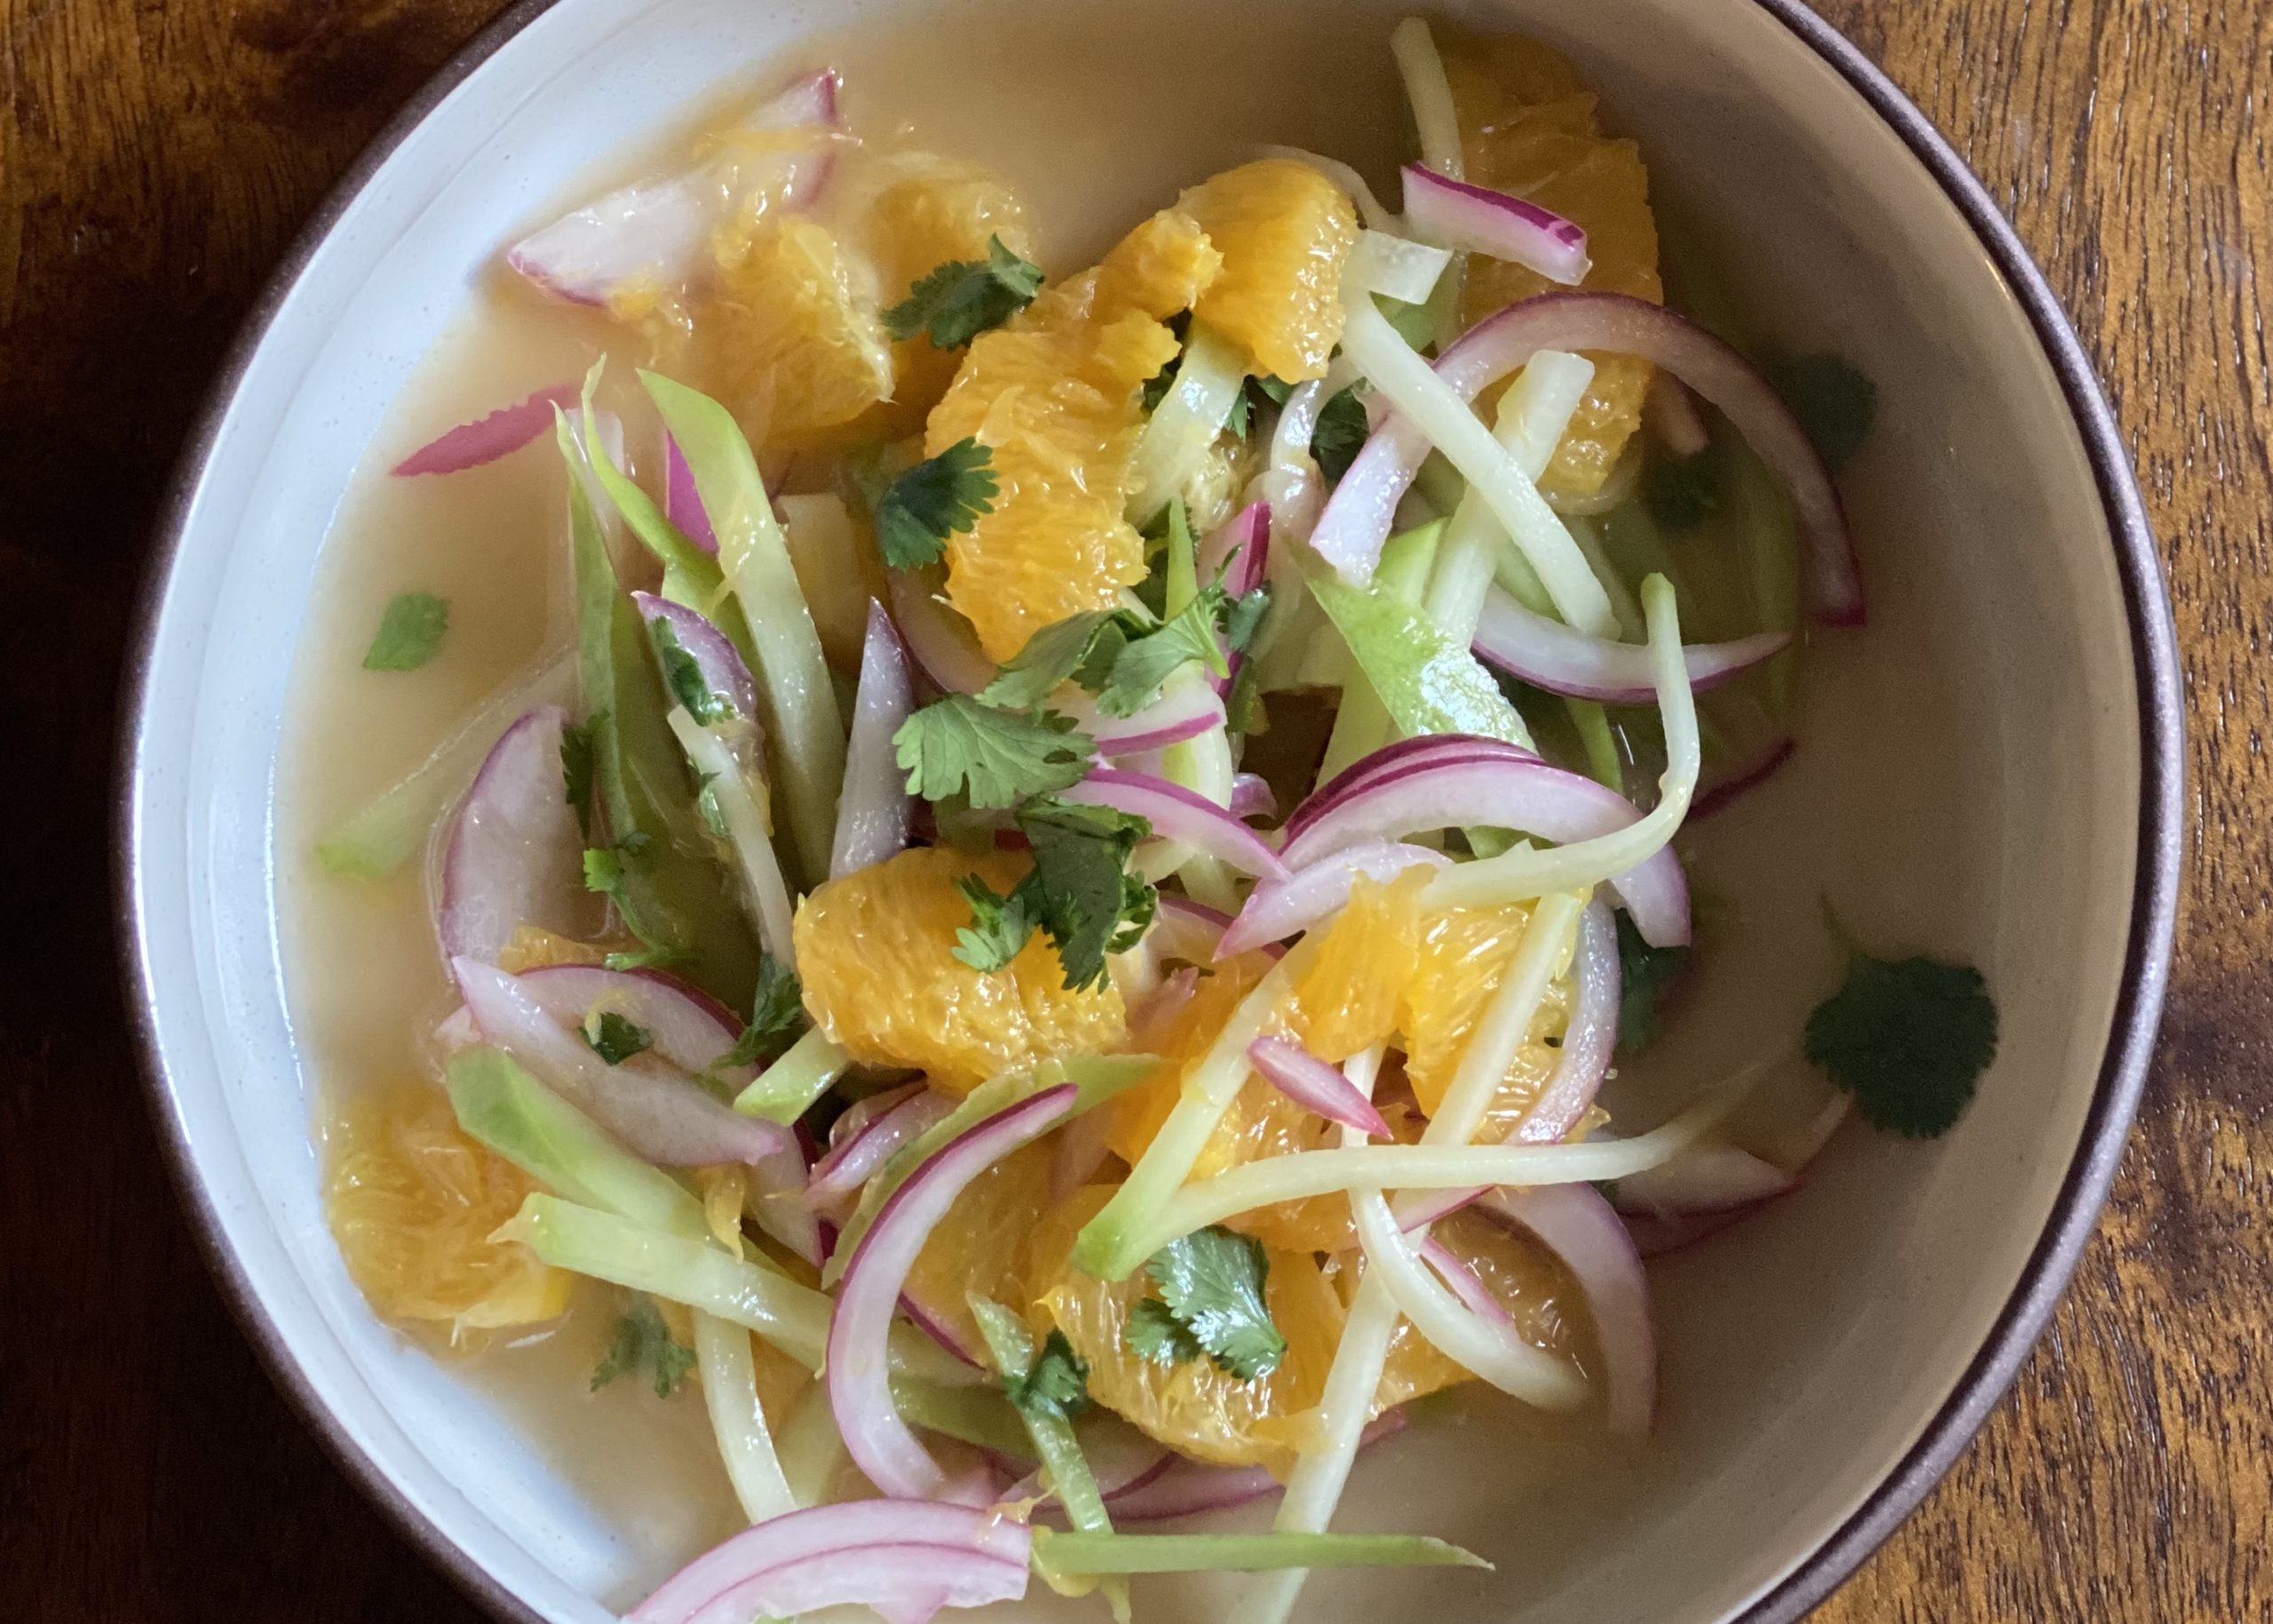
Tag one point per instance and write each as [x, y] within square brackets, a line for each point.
[1647, 977]
[1157, 386]
[1146, 662]
[962, 298]
[643, 1346]
[603, 873]
[1154, 1333]
[578, 741]
[1079, 648]
[995, 757]
[409, 634]
[1056, 1383]
[1080, 890]
[1000, 926]
[683, 678]
[1341, 430]
[1833, 401]
[1680, 491]
[1240, 617]
[1244, 708]
[1212, 1282]
[1908, 1038]
[777, 1015]
[940, 496]
[614, 1037]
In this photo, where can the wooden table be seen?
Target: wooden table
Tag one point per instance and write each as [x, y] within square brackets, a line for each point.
[155, 156]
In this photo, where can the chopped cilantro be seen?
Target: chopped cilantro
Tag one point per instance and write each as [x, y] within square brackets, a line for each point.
[578, 741]
[643, 1346]
[1081, 647]
[1122, 655]
[1833, 401]
[1000, 926]
[1157, 386]
[1680, 491]
[1341, 430]
[684, 677]
[1256, 392]
[991, 757]
[1244, 708]
[1908, 1038]
[603, 870]
[1211, 1283]
[409, 634]
[1154, 1333]
[614, 1037]
[962, 298]
[1140, 669]
[1080, 892]
[1240, 617]
[938, 497]
[603, 873]
[1051, 1385]
[777, 1014]
[1647, 976]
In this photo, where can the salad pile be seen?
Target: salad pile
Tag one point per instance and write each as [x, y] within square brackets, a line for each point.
[1055, 937]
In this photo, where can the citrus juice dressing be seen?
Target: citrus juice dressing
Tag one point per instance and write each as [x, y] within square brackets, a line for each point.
[1095, 115]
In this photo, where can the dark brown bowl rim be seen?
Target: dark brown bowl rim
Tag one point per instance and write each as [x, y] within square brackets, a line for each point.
[2123, 1070]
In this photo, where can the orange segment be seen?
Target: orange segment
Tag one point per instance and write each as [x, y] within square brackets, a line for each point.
[925, 212]
[1283, 230]
[1193, 1408]
[1055, 394]
[1464, 953]
[1349, 999]
[876, 953]
[975, 1248]
[794, 339]
[1529, 126]
[413, 1202]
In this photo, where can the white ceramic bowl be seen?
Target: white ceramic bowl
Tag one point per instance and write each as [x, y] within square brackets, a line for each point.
[1825, 1363]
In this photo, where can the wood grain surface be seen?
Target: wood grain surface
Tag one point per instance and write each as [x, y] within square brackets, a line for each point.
[155, 158]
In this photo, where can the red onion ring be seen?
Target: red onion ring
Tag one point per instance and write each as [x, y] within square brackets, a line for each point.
[1177, 813]
[1186, 710]
[515, 853]
[485, 439]
[876, 816]
[1425, 749]
[1363, 507]
[1183, 929]
[904, 1559]
[1739, 776]
[1474, 1295]
[869, 1292]
[1252, 796]
[1468, 218]
[1280, 908]
[1529, 796]
[1558, 659]
[1589, 1035]
[1315, 1086]
[907, 1114]
[1674, 418]
[1579, 1227]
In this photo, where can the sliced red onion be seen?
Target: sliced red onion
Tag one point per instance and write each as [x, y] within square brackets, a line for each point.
[1185, 929]
[1528, 795]
[1709, 1177]
[1280, 908]
[1745, 773]
[1550, 655]
[941, 640]
[1177, 813]
[1184, 711]
[1357, 518]
[859, 1394]
[724, 673]
[682, 500]
[655, 1109]
[1673, 416]
[485, 439]
[1656, 1237]
[515, 855]
[690, 1028]
[1314, 1085]
[1252, 796]
[1468, 218]
[904, 1559]
[864, 1139]
[935, 1325]
[1474, 1295]
[1423, 1208]
[1589, 1035]
[1425, 749]
[876, 816]
[1187, 1488]
[1579, 1227]
[656, 232]
[1152, 1018]
[1238, 551]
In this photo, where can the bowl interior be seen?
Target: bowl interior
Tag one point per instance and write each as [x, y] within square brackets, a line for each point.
[1968, 779]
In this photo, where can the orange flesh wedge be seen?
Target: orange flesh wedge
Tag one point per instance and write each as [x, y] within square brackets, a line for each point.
[1283, 230]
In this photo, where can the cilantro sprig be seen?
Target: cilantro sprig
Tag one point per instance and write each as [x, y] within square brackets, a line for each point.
[1126, 656]
[606, 874]
[1339, 434]
[777, 1016]
[614, 1037]
[1908, 1038]
[409, 634]
[961, 747]
[1080, 892]
[938, 497]
[645, 1346]
[1211, 1284]
[960, 299]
